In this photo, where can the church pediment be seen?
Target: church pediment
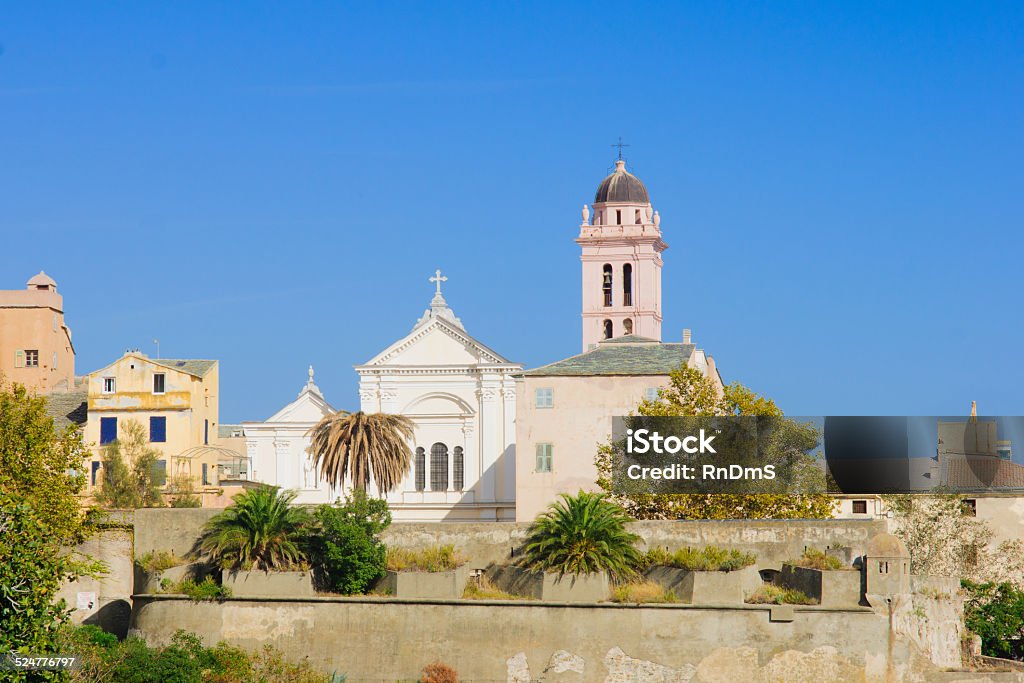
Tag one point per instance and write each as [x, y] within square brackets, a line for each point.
[308, 407]
[437, 342]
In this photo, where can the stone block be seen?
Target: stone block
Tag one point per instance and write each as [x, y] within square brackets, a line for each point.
[269, 584]
[701, 588]
[831, 588]
[550, 586]
[446, 585]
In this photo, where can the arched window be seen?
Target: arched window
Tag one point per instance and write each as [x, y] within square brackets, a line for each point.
[607, 329]
[627, 285]
[420, 467]
[439, 467]
[458, 468]
[627, 326]
[606, 284]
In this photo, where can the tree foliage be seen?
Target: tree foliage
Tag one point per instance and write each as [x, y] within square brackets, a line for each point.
[345, 548]
[995, 612]
[130, 471]
[944, 540]
[32, 569]
[692, 393]
[359, 446]
[582, 534]
[40, 464]
[261, 529]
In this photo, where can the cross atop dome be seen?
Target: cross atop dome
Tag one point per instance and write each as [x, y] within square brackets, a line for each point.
[438, 279]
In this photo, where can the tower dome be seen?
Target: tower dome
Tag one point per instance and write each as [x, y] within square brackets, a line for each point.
[621, 187]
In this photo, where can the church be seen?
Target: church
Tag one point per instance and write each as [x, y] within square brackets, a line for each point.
[494, 441]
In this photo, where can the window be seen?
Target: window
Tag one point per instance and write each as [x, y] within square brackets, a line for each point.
[31, 358]
[607, 329]
[627, 284]
[206, 432]
[543, 457]
[606, 284]
[206, 474]
[970, 507]
[109, 385]
[544, 398]
[160, 472]
[627, 326]
[421, 469]
[458, 469]
[860, 507]
[651, 394]
[108, 430]
[618, 217]
[439, 467]
[158, 429]
[158, 383]
[636, 217]
[19, 359]
[95, 471]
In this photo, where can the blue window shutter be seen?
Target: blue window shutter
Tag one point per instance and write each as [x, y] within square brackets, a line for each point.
[158, 429]
[108, 429]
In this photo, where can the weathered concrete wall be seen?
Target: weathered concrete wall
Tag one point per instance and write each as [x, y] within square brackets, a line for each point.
[111, 608]
[835, 588]
[169, 529]
[706, 588]
[550, 586]
[392, 639]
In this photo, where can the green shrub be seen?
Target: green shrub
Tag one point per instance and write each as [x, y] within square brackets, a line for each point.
[438, 558]
[817, 559]
[159, 561]
[206, 590]
[641, 592]
[343, 545]
[483, 589]
[707, 559]
[184, 660]
[995, 612]
[770, 594]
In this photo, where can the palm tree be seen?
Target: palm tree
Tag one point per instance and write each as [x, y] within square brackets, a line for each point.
[356, 446]
[582, 534]
[259, 530]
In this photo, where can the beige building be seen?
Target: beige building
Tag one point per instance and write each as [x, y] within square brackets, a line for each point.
[35, 344]
[176, 401]
[565, 410]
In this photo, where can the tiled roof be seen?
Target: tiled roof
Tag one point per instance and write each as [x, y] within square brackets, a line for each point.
[191, 366]
[621, 356]
[982, 472]
[68, 408]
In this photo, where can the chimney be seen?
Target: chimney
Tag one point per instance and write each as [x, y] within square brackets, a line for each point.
[686, 335]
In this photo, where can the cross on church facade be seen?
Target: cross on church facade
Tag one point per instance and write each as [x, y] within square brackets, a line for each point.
[620, 144]
[438, 279]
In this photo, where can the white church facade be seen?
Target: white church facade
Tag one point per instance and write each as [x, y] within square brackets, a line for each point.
[461, 398]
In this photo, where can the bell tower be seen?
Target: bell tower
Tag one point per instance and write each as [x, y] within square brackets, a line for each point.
[621, 245]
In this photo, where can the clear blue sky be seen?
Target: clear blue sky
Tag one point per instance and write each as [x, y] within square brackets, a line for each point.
[271, 185]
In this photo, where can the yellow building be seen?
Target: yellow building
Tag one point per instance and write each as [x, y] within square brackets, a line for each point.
[35, 344]
[176, 401]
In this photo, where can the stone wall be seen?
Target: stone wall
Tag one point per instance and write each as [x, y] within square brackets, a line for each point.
[105, 599]
[392, 639]
[774, 541]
